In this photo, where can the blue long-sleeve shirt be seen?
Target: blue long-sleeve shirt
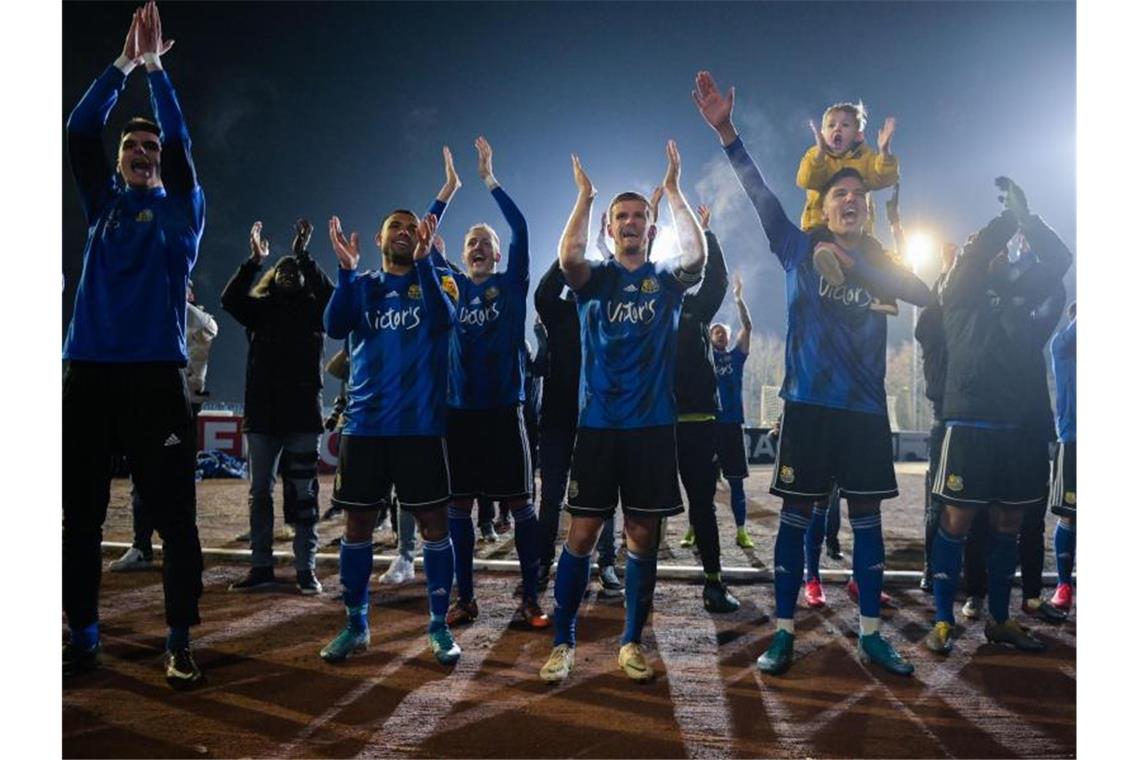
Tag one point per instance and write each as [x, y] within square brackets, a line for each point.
[487, 345]
[396, 328]
[1064, 352]
[130, 305]
[836, 346]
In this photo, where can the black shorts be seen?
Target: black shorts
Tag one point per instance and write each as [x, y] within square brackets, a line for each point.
[820, 446]
[730, 455]
[369, 466]
[488, 453]
[639, 465]
[979, 466]
[1063, 489]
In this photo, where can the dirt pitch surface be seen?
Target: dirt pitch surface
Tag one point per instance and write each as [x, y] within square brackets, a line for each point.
[268, 694]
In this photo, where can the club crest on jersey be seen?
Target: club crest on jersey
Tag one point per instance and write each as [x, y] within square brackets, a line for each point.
[414, 291]
[490, 293]
[572, 489]
[650, 285]
[449, 286]
[787, 474]
[955, 482]
[1070, 497]
[146, 215]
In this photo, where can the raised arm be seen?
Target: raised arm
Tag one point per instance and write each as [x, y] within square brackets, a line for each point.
[451, 184]
[236, 299]
[690, 239]
[813, 172]
[744, 337]
[891, 280]
[884, 169]
[342, 313]
[710, 294]
[518, 263]
[440, 308]
[316, 281]
[572, 244]
[178, 174]
[785, 239]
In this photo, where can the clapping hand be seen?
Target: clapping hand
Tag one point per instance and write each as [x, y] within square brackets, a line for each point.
[347, 250]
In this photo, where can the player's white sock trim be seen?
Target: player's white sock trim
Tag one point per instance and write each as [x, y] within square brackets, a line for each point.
[786, 624]
[868, 625]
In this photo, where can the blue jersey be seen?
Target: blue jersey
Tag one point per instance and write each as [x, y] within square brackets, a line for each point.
[836, 349]
[1064, 351]
[396, 327]
[130, 305]
[629, 344]
[730, 382]
[489, 340]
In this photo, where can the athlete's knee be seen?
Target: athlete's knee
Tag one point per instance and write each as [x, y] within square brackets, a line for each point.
[1070, 522]
[583, 534]
[641, 534]
[299, 476]
[863, 507]
[1006, 519]
[358, 525]
[956, 520]
[433, 523]
[800, 507]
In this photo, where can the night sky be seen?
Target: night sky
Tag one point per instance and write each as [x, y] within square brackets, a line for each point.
[307, 109]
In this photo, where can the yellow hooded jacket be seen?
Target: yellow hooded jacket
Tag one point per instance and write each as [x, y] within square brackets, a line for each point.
[878, 172]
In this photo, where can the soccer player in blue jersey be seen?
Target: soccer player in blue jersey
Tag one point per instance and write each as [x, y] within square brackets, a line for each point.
[1063, 493]
[835, 426]
[396, 322]
[730, 420]
[629, 309]
[123, 387]
[488, 452]
[997, 316]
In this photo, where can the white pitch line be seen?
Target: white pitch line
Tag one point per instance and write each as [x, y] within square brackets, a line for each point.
[688, 647]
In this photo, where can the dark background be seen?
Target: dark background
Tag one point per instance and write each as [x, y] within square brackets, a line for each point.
[311, 109]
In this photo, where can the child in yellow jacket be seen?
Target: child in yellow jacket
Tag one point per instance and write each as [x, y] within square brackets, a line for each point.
[839, 144]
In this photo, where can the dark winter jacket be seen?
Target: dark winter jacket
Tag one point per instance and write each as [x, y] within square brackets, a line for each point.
[694, 381]
[995, 369]
[931, 335]
[286, 346]
[559, 409]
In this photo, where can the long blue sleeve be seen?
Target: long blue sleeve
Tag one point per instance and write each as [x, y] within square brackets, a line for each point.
[178, 175]
[437, 259]
[342, 313]
[440, 307]
[786, 240]
[893, 282]
[518, 265]
[93, 174]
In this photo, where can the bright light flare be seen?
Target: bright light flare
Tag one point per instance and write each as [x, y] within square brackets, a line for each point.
[919, 249]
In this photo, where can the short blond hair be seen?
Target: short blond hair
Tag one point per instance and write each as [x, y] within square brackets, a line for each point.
[482, 226]
[858, 110]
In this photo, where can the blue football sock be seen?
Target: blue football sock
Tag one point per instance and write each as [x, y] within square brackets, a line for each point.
[86, 637]
[945, 567]
[813, 541]
[526, 545]
[439, 567]
[177, 638]
[570, 580]
[355, 569]
[867, 559]
[1065, 547]
[736, 491]
[463, 539]
[789, 562]
[640, 581]
[1001, 563]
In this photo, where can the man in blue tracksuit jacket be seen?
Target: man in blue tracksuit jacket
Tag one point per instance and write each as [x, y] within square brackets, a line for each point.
[123, 387]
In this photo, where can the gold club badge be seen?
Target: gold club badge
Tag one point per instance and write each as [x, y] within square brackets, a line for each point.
[414, 291]
[490, 293]
[649, 285]
[1070, 497]
[955, 483]
[449, 287]
[146, 215]
[787, 474]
